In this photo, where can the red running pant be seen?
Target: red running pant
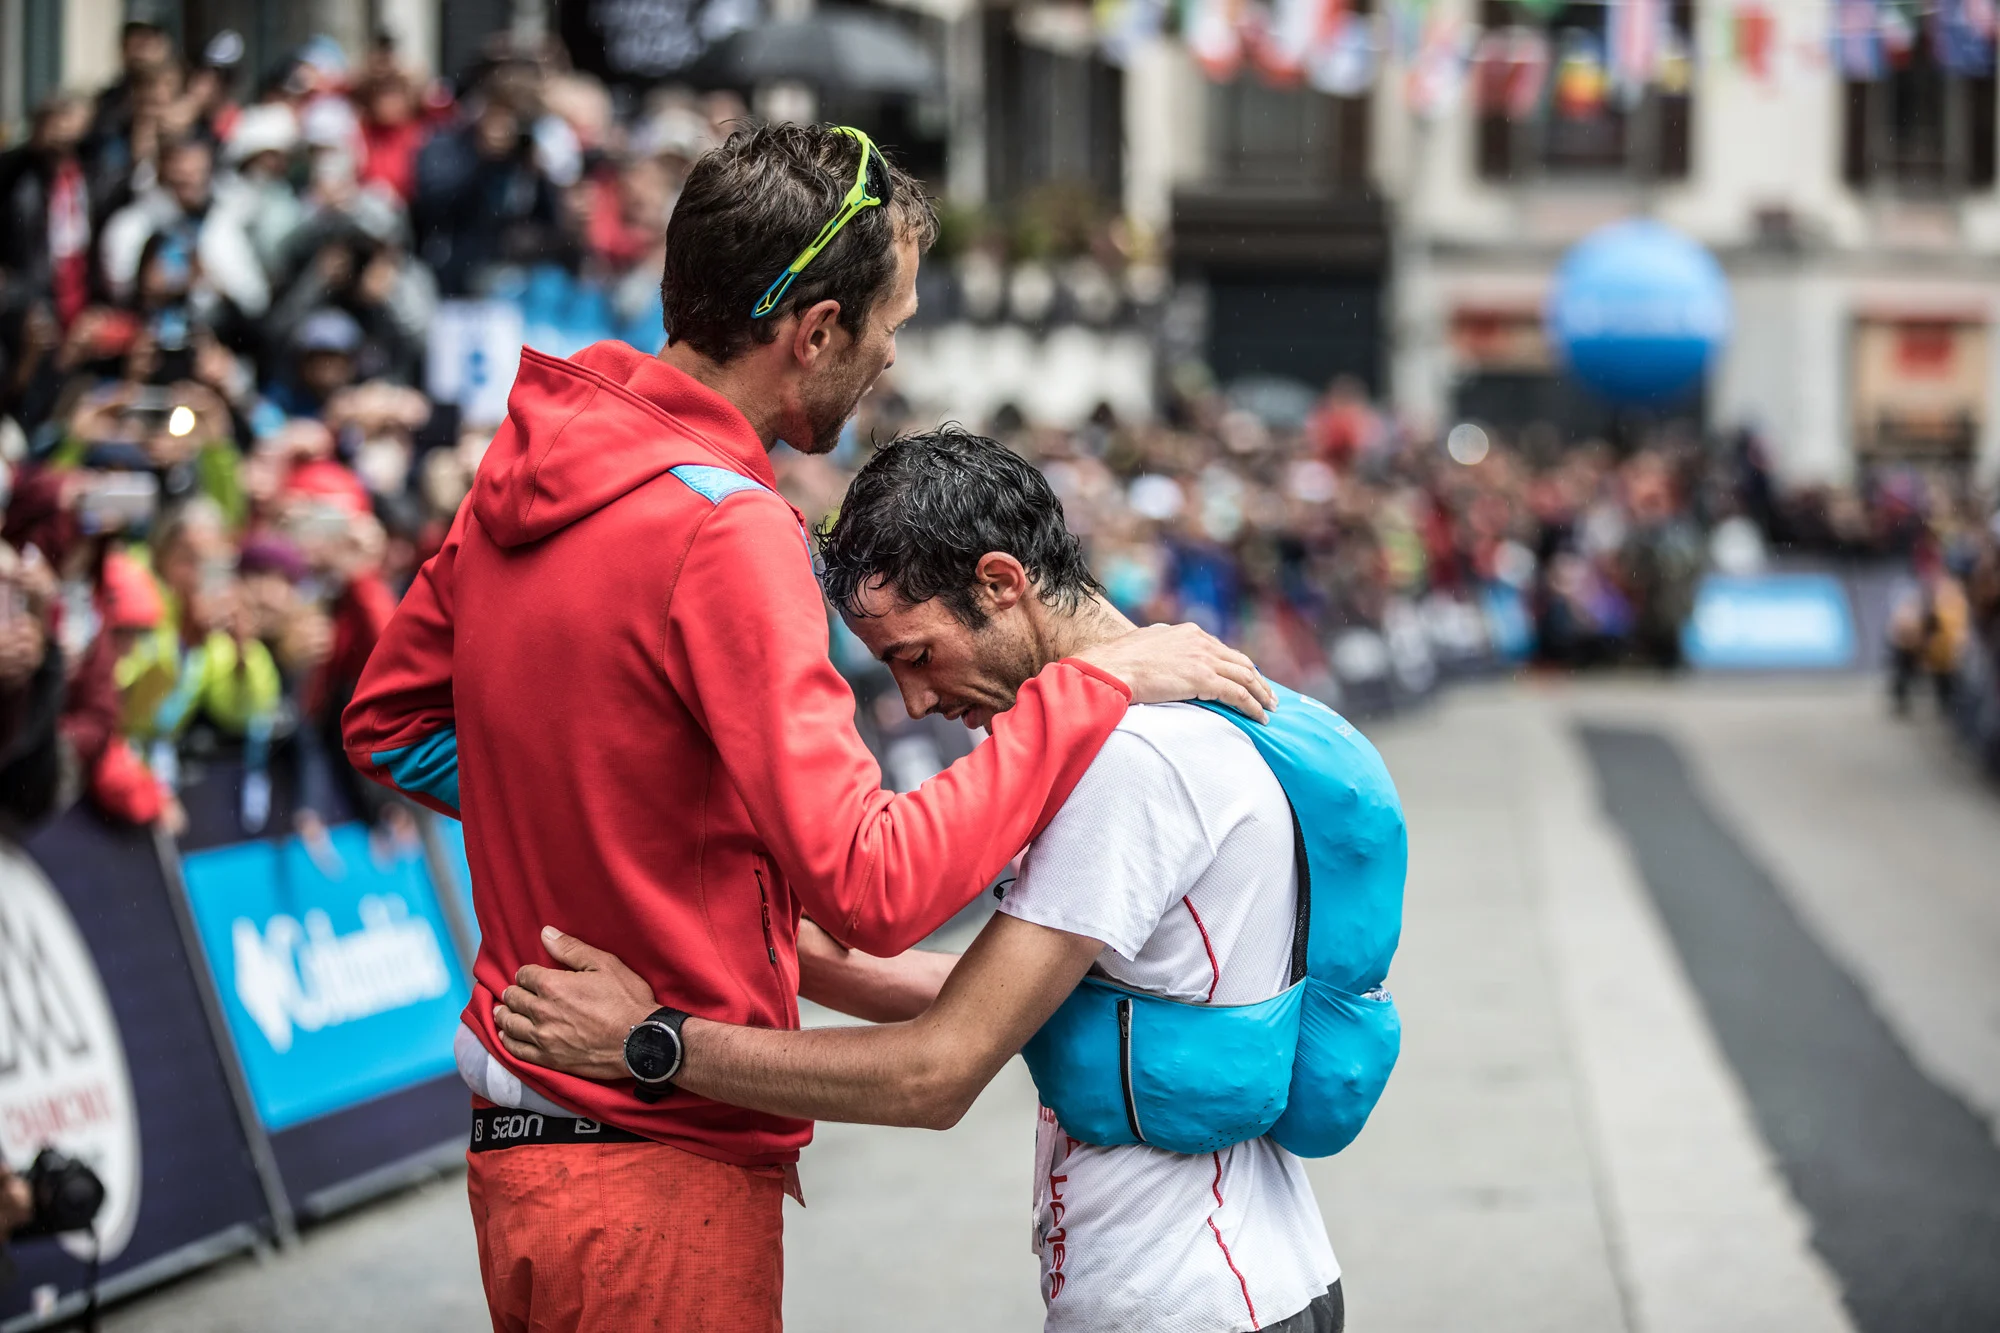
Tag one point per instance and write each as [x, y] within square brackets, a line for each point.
[618, 1237]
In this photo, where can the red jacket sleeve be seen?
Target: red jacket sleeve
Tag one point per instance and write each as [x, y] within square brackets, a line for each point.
[400, 728]
[746, 647]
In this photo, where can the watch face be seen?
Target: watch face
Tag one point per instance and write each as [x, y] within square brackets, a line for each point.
[652, 1052]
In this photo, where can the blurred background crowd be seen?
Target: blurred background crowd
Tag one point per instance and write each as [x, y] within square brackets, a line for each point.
[1363, 559]
[220, 314]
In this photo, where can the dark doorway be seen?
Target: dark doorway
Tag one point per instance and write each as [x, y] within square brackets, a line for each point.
[1310, 329]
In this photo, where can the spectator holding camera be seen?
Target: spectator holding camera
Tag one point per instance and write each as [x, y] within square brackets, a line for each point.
[203, 660]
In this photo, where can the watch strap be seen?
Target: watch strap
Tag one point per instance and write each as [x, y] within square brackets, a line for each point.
[669, 1017]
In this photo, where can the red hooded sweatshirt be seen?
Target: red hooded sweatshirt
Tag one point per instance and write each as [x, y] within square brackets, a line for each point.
[615, 671]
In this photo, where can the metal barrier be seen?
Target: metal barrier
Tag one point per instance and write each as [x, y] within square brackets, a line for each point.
[236, 1031]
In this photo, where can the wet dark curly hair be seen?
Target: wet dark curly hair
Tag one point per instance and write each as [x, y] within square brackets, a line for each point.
[928, 506]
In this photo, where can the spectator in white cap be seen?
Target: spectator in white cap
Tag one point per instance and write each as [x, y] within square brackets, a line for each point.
[184, 200]
[259, 196]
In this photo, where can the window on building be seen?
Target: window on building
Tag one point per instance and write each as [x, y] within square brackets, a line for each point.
[1547, 106]
[1920, 130]
[1288, 136]
[1060, 114]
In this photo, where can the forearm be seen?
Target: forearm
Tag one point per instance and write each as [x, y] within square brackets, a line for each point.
[924, 1072]
[896, 1074]
[881, 990]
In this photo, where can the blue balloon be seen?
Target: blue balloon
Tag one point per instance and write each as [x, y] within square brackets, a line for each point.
[1638, 312]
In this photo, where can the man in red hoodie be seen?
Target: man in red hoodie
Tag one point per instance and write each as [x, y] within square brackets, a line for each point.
[615, 672]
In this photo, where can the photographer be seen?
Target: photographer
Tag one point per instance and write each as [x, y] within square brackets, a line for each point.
[56, 1195]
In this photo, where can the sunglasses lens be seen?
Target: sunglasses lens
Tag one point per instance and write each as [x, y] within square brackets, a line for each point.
[879, 183]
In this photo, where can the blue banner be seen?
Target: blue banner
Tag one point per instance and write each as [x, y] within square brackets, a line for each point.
[108, 1055]
[335, 967]
[1771, 622]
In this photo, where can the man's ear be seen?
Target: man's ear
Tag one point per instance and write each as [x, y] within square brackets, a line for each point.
[1001, 581]
[817, 332]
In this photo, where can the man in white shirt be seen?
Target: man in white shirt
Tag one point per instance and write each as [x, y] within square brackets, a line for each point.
[1169, 869]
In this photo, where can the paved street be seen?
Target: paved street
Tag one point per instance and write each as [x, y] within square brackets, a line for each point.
[1701, 993]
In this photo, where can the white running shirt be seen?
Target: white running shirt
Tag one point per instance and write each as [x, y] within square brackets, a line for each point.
[1176, 850]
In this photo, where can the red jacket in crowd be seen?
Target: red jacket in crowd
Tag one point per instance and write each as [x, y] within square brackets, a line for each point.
[616, 671]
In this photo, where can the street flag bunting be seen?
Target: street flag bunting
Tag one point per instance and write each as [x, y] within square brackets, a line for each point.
[1899, 32]
[1511, 72]
[1582, 83]
[1344, 65]
[1126, 26]
[1214, 34]
[1435, 78]
[1287, 35]
[1962, 36]
[1754, 37]
[1636, 36]
[1857, 39]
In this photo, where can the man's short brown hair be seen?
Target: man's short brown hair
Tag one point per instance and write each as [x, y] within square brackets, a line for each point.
[748, 208]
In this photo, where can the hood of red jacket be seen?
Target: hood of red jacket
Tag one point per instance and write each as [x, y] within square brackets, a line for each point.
[580, 433]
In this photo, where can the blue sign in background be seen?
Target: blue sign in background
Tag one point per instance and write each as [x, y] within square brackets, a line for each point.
[1771, 622]
[1638, 311]
[337, 973]
[199, 1188]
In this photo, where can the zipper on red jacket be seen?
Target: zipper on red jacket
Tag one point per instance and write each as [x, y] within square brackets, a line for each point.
[764, 905]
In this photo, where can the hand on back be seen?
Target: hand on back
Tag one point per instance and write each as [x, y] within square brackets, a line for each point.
[1168, 663]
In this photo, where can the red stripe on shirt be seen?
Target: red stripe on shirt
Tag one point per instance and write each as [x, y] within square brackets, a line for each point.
[1216, 1231]
[1214, 968]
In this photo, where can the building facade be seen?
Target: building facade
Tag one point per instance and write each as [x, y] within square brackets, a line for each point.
[1857, 222]
[1405, 235]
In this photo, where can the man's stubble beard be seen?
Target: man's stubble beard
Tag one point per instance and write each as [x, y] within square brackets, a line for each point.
[829, 413]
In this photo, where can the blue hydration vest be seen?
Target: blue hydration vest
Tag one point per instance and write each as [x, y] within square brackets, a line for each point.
[1305, 1067]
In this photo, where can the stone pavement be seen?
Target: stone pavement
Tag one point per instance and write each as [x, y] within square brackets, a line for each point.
[1565, 1146]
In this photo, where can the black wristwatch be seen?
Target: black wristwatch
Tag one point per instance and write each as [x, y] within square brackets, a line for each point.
[653, 1053]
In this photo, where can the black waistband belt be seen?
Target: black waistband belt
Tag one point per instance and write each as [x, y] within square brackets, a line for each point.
[495, 1127]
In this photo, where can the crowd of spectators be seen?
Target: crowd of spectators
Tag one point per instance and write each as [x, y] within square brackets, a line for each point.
[220, 468]
[1346, 547]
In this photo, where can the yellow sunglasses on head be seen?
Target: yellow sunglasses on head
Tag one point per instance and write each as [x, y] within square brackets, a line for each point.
[863, 194]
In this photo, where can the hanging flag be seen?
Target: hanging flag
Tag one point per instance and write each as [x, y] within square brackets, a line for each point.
[1899, 33]
[1344, 63]
[1214, 36]
[1582, 83]
[1435, 78]
[1126, 26]
[1286, 35]
[1857, 39]
[1754, 37]
[1635, 32]
[1510, 70]
[1960, 46]
[1489, 72]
